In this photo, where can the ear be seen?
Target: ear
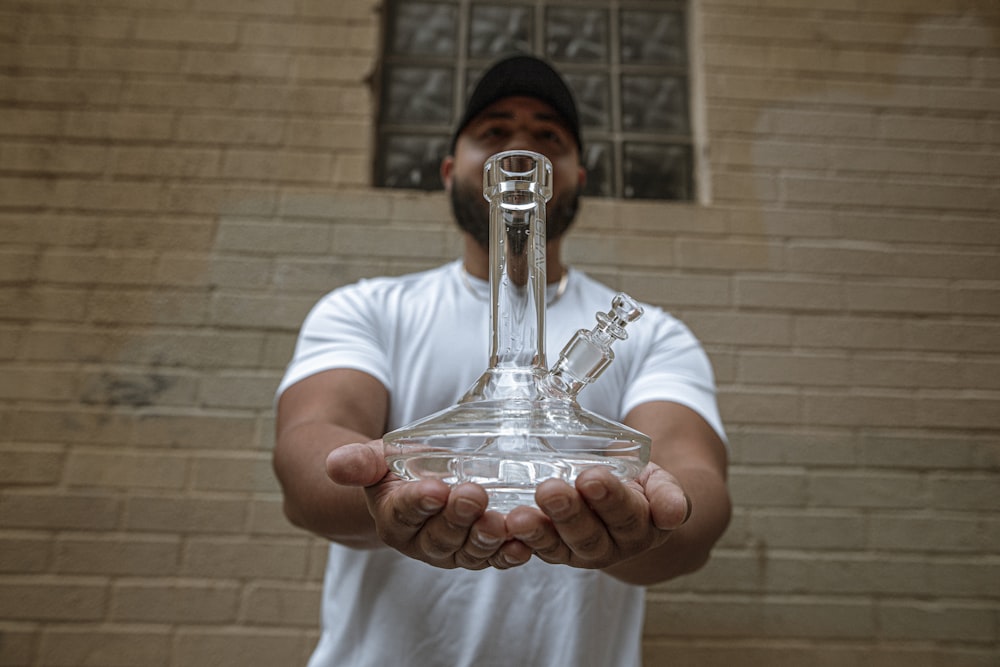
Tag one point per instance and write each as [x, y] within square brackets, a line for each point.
[581, 177]
[447, 170]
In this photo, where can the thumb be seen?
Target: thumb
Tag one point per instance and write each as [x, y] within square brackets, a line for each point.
[359, 464]
[670, 507]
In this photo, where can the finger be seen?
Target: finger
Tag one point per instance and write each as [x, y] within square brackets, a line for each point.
[533, 529]
[401, 509]
[578, 526]
[361, 464]
[486, 536]
[622, 509]
[513, 553]
[447, 532]
[669, 506]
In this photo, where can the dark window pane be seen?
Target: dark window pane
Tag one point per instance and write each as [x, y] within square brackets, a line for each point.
[654, 103]
[598, 158]
[495, 31]
[657, 171]
[416, 95]
[413, 161]
[424, 28]
[653, 38]
[591, 92]
[577, 35]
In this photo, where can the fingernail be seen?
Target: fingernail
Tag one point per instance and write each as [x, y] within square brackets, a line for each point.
[558, 505]
[430, 504]
[486, 541]
[594, 489]
[466, 509]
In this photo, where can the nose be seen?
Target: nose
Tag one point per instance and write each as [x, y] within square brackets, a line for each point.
[522, 140]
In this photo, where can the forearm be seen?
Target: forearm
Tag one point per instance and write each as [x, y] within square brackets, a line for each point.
[688, 547]
[311, 499]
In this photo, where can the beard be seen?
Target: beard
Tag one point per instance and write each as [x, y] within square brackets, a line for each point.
[472, 213]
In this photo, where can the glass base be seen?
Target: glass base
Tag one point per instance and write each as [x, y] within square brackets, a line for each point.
[510, 480]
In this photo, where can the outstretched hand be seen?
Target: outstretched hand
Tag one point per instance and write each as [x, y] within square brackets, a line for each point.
[596, 523]
[601, 521]
[426, 519]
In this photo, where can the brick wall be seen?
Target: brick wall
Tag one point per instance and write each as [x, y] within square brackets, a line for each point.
[181, 179]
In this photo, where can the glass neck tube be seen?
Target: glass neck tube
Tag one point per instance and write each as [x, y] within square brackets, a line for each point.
[517, 184]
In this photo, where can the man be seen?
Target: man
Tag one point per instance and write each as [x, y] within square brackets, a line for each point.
[419, 573]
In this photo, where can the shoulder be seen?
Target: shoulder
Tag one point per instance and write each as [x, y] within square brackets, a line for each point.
[385, 293]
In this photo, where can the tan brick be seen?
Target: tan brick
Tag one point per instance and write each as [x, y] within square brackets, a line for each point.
[937, 621]
[928, 297]
[147, 161]
[678, 290]
[239, 647]
[115, 647]
[45, 510]
[186, 603]
[245, 64]
[113, 468]
[40, 384]
[244, 310]
[53, 159]
[908, 532]
[929, 451]
[823, 529]
[155, 386]
[67, 424]
[973, 492]
[45, 600]
[220, 128]
[76, 267]
[267, 517]
[859, 489]
[23, 554]
[237, 472]
[254, 237]
[826, 618]
[280, 166]
[763, 488]
[867, 409]
[760, 406]
[193, 429]
[790, 294]
[116, 555]
[145, 307]
[28, 465]
[758, 367]
[165, 234]
[184, 515]
[242, 558]
[284, 605]
[151, 125]
[798, 447]
[130, 58]
[188, 29]
[726, 327]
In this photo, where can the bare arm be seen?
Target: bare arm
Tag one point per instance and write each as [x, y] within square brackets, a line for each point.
[687, 448]
[316, 416]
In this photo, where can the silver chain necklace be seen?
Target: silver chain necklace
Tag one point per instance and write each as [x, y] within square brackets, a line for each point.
[560, 288]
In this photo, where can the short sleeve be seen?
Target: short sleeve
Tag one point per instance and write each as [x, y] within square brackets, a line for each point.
[674, 368]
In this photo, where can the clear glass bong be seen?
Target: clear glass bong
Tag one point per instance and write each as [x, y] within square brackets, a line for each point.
[520, 424]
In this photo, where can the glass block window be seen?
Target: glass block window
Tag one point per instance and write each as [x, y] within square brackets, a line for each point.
[626, 62]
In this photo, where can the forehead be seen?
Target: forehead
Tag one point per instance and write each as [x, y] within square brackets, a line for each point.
[520, 107]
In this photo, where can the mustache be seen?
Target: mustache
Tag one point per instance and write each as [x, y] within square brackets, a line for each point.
[472, 213]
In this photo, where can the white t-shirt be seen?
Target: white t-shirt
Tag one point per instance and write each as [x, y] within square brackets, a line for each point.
[426, 337]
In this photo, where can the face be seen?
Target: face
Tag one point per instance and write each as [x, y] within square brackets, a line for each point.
[513, 123]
